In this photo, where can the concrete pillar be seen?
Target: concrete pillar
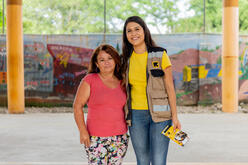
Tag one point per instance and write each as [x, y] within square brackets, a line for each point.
[15, 66]
[230, 54]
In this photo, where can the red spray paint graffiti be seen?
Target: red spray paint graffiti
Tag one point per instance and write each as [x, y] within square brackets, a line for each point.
[70, 66]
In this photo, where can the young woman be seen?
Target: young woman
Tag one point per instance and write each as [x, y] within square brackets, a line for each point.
[105, 134]
[151, 104]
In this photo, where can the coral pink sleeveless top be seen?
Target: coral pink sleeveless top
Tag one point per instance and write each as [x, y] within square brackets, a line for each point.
[105, 108]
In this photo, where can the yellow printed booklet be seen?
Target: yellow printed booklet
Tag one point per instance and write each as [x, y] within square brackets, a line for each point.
[177, 136]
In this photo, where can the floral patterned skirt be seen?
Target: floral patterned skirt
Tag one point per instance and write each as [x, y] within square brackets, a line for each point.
[107, 150]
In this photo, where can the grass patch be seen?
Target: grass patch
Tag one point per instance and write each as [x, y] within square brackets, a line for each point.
[206, 103]
[47, 104]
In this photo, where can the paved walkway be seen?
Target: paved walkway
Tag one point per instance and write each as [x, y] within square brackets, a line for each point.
[125, 163]
[47, 138]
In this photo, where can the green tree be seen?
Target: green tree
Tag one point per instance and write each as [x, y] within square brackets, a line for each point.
[1, 18]
[74, 17]
[62, 17]
[243, 14]
[213, 17]
[86, 16]
[118, 11]
[160, 14]
[157, 13]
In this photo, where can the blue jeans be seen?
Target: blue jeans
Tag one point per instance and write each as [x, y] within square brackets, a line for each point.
[150, 146]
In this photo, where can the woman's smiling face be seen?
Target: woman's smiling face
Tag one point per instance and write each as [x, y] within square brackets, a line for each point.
[135, 34]
[105, 62]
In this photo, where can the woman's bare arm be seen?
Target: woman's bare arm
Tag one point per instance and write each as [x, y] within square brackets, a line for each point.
[83, 93]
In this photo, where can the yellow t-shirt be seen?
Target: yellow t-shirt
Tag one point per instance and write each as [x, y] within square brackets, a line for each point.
[137, 78]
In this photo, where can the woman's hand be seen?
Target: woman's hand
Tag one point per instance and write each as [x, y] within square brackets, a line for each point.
[176, 123]
[85, 138]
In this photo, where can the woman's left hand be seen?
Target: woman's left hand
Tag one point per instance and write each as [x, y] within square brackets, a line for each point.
[176, 123]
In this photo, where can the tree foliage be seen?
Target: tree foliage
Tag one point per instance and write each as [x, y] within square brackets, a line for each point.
[213, 18]
[1, 18]
[243, 14]
[160, 14]
[87, 16]
[62, 17]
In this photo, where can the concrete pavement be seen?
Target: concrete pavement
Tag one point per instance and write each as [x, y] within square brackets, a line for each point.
[47, 138]
[125, 163]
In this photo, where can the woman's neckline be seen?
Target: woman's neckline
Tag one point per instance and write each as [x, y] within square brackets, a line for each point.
[140, 53]
[140, 49]
[98, 75]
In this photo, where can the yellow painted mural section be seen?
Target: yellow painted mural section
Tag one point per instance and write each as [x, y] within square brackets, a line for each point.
[186, 74]
[202, 72]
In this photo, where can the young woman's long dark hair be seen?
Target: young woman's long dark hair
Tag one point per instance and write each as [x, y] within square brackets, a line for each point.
[127, 47]
[113, 53]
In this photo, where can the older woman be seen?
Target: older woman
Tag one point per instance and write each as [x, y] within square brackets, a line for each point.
[105, 134]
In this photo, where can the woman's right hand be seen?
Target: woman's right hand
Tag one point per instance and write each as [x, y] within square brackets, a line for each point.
[85, 138]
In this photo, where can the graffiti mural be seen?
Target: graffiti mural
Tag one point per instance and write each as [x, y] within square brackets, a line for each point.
[55, 64]
[38, 69]
[243, 90]
[3, 64]
[70, 66]
[197, 74]
[3, 68]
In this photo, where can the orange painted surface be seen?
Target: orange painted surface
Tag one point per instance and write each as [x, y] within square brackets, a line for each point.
[15, 59]
[14, 2]
[230, 3]
[230, 53]
[230, 84]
